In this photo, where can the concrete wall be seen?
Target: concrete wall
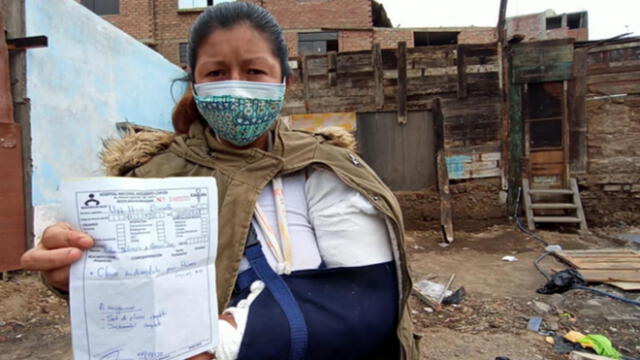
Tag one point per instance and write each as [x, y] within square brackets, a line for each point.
[91, 76]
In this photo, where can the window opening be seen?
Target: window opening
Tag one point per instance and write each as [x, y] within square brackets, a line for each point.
[554, 22]
[317, 42]
[184, 53]
[197, 4]
[103, 7]
[576, 20]
[544, 114]
[429, 38]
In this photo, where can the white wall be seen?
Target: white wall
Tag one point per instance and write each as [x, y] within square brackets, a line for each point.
[90, 77]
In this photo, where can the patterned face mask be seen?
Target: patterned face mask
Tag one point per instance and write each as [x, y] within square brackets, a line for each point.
[239, 111]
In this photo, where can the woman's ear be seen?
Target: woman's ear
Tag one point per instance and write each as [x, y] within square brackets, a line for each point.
[185, 112]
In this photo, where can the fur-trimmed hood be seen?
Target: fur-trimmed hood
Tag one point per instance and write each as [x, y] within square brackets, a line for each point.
[138, 147]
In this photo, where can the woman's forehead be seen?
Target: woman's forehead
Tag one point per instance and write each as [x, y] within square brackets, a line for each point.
[241, 42]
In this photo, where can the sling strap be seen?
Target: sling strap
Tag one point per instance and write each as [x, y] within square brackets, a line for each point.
[260, 269]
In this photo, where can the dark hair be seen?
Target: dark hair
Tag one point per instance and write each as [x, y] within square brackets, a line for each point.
[226, 15]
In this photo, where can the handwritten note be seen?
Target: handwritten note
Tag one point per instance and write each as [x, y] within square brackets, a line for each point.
[146, 290]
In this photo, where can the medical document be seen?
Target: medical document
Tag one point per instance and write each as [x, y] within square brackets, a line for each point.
[146, 290]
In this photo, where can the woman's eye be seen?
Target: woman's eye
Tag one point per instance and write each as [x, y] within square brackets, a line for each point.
[215, 73]
[256, 72]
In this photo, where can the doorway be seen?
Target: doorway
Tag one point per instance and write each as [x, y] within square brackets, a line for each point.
[546, 134]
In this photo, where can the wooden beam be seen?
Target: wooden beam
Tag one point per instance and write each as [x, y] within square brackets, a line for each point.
[332, 65]
[305, 81]
[6, 100]
[462, 72]
[503, 79]
[515, 141]
[378, 75]
[578, 113]
[402, 82]
[446, 218]
[438, 124]
[30, 42]
[565, 132]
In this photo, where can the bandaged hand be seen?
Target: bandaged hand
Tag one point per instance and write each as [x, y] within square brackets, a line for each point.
[231, 336]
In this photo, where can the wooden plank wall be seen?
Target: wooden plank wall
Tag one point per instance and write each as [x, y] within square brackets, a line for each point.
[369, 81]
[403, 155]
[614, 69]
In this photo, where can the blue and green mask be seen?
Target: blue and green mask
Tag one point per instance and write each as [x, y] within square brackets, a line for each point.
[239, 111]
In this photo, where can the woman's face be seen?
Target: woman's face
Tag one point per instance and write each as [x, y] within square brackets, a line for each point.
[237, 53]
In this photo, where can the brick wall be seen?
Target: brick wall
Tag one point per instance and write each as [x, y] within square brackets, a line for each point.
[135, 18]
[351, 17]
[291, 37]
[172, 28]
[355, 40]
[309, 14]
[610, 188]
[388, 38]
[533, 27]
[477, 37]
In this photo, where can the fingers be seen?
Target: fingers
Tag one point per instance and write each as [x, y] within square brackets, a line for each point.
[42, 259]
[228, 318]
[62, 235]
[58, 278]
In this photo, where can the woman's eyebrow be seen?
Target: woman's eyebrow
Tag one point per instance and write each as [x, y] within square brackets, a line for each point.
[212, 62]
[256, 59]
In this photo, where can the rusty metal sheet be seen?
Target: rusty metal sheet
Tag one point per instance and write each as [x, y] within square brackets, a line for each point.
[12, 207]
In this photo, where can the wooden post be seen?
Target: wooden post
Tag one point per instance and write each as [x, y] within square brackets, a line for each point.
[6, 100]
[305, 81]
[578, 113]
[515, 142]
[438, 124]
[504, 91]
[565, 133]
[332, 65]
[446, 218]
[462, 72]
[12, 205]
[378, 75]
[402, 82]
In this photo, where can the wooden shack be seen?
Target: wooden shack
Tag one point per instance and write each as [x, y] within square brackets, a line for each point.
[572, 113]
[392, 93]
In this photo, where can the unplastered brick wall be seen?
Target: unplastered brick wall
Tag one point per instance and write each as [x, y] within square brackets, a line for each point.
[291, 37]
[486, 36]
[611, 185]
[533, 27]
[354, 40]
[135, 18]
[388, 38]
[310, 14]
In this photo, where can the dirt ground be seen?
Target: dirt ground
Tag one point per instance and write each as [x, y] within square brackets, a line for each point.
[490, 322]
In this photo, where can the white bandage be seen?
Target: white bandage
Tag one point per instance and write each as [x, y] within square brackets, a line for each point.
[230, 337]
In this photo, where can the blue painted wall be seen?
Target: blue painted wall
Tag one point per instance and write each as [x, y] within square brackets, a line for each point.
[91, 76]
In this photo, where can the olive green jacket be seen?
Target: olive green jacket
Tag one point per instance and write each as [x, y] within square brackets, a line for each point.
[241, 175]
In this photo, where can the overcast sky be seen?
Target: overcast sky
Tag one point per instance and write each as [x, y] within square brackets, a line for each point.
[607, 18]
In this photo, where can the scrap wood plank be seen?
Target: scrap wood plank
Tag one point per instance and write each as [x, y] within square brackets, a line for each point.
[592, 252]
[584, 259]
[625, 285]
[446, 220]
[609, 266]
[610, 275]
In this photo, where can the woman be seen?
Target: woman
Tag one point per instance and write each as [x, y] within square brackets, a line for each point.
[310, 260]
